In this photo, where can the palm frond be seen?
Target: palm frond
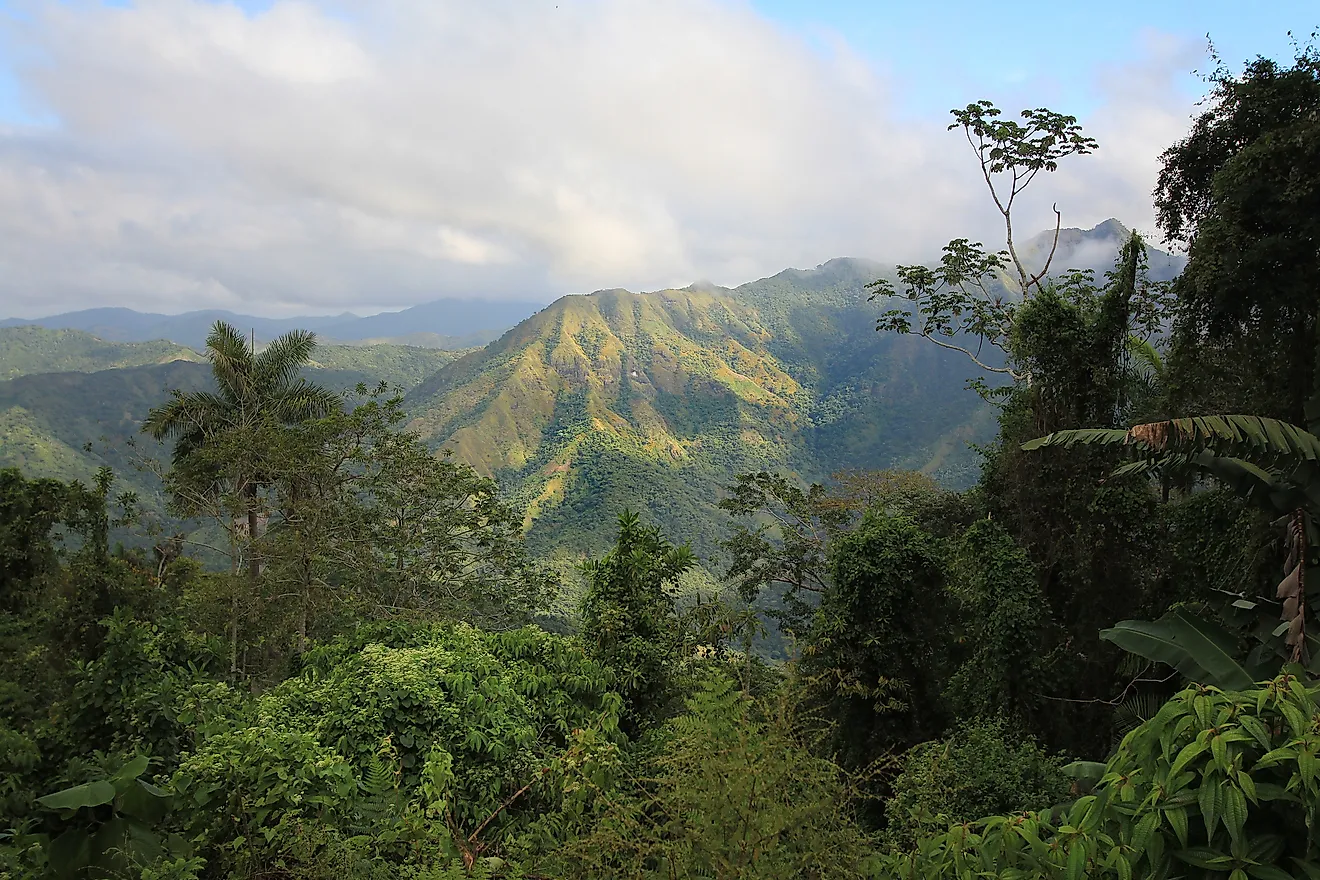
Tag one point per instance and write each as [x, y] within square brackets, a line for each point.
[278, 366]
[1251, 437]
[231, 361]
[185, 413]
[305, 400]
[1145, 358]
[1079, 437]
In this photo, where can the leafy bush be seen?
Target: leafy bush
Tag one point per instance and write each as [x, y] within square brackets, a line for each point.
[251, 795]
[981, 769]
[1215, 785]
[731, 794]
[479, 726]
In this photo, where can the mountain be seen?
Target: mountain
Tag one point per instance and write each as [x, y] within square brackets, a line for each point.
[1094, 249]
[445, 323]
[615, 399]
[656, 400]
[457, 320]
[397, 365]
[190, 328]
[68, 424]
[31, 349]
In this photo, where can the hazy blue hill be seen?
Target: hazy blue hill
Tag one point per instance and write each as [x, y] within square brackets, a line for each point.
[446, 323]
[453, 319]
[27, 350]
[190, 328]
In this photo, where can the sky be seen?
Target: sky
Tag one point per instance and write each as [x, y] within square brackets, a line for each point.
[284, 157]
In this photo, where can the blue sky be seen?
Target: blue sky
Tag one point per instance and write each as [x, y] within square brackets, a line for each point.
[290, 156]
[943, 52]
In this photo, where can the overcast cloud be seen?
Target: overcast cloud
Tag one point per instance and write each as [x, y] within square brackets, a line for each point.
[300, 161]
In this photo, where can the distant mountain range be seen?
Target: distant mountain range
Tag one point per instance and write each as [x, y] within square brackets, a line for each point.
[597, 402]
[445, 323]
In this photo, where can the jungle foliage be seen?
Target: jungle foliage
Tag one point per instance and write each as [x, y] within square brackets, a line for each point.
[1102, 660]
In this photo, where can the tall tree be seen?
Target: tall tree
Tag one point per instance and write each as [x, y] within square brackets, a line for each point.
[1242, 192]
[213, 430]
[629, 620]
[974, 294]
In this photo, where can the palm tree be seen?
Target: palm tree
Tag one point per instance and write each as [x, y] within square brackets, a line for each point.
[252, 390]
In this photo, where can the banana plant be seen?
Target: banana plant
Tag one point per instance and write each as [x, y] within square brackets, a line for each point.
[1273, 465]
[112, 825]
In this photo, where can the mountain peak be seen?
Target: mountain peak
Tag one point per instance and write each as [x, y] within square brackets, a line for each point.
[1095, 248]
[1110, 228]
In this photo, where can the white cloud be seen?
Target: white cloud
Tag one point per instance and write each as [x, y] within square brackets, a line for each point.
[294, 160]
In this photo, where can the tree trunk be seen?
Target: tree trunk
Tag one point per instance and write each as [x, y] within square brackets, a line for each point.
[254, 564]
[233, 608]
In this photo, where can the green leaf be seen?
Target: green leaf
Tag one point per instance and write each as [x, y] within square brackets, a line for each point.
[1219, 748]
[1146, 826]
[70, 853]
[1188, 754]
[131, 771]
[89, 794]
[1090, 771]
[1076, 860]
[1235, 810]
[1208, 800]
[1177, 817]
[1201, 650]
[1204, 857]
[1256, 728]
[144, 802]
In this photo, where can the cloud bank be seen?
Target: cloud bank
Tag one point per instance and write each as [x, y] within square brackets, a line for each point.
[308, 158]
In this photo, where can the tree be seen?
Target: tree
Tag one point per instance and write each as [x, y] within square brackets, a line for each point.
[214, 431]
[971, 293]
[734, 794]
[629, 622]
[1242, 193]
[878, 647]
[1007, 627]
[1271, 464]
[366, 521]
[778, 549]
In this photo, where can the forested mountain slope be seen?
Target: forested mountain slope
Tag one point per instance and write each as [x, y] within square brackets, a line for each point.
[656, 400]
[67, 424]
[31, 349]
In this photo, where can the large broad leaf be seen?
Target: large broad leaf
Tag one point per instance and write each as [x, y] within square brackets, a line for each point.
[1089, 771]
[70, 853]
[1079, 437]
[1251, 438]
[89, 794]
[1201, 650]
[130, 772]
[144, 802]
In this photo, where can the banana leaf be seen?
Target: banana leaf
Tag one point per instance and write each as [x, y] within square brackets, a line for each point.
[1202, 650]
